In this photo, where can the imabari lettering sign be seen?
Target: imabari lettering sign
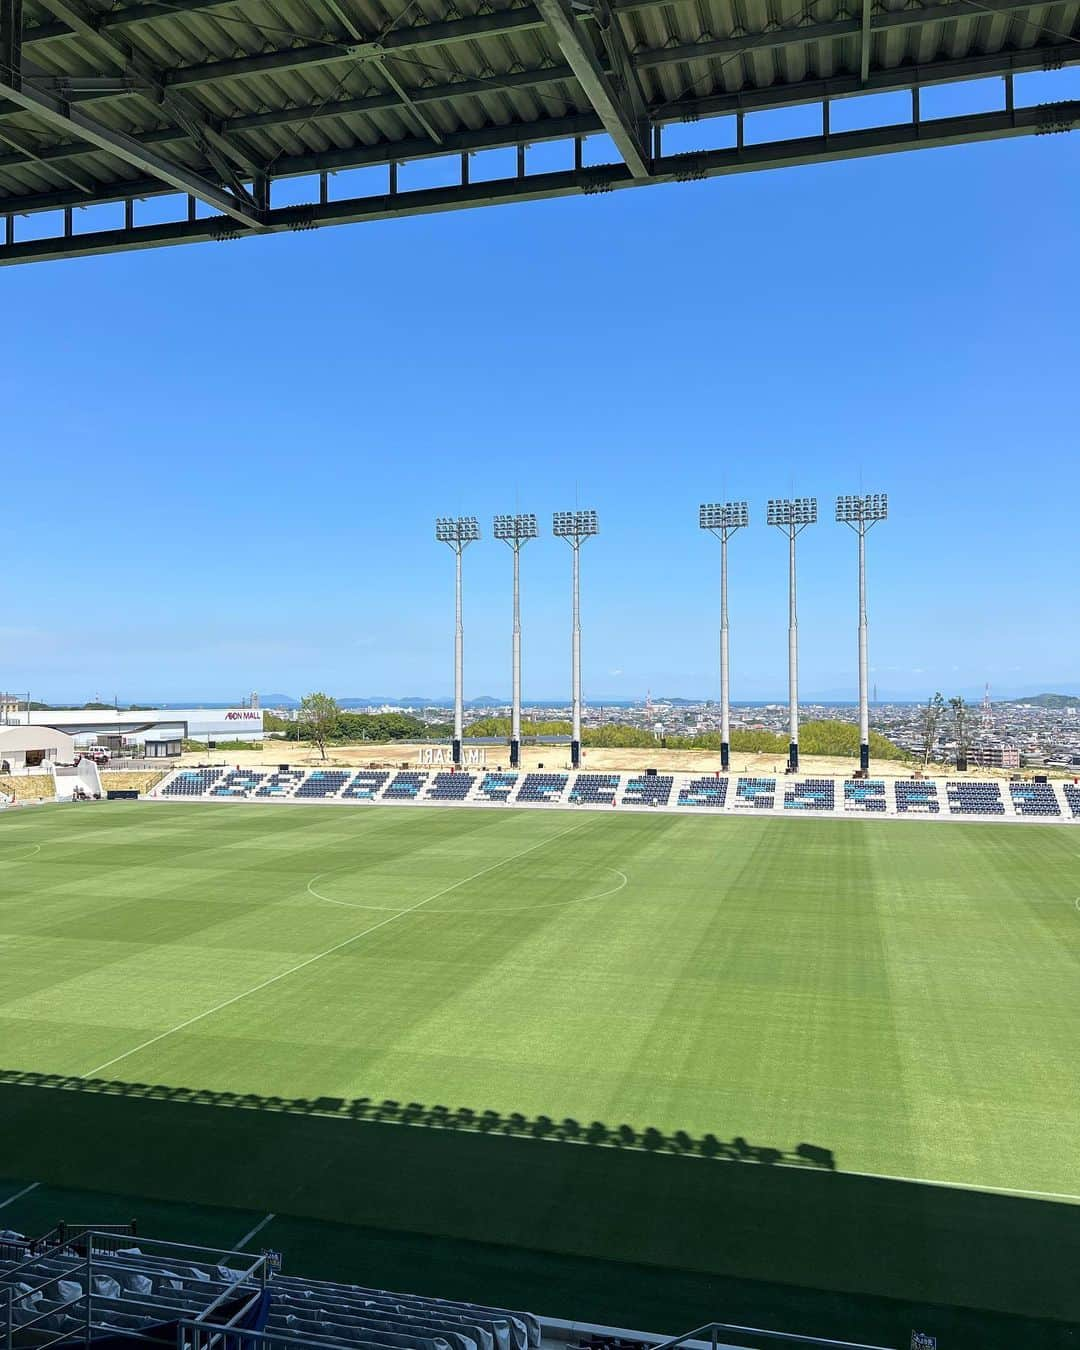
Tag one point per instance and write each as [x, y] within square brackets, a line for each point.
[439, 754]
[243, 716]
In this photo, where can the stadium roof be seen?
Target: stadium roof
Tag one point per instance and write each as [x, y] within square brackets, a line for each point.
[221, 100]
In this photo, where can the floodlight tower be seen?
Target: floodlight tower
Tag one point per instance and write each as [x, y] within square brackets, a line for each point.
[515, 530]
[792, 515]
[457, 531]
[575, 527]
[722, 520]
[860, 512]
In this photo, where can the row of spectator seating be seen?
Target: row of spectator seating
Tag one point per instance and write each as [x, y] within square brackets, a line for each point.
[1034, 799]
[812, 794]
[649, 790]
[710, 791]
[595, 789]
[759, 793]
[192, 783]
[865, 794]
[963, 797]
[974, 799]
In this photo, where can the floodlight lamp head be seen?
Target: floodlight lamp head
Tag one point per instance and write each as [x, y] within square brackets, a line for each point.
[789, 511]
[723, 515]
[862, 508]
[516, 528]
[575, 525]
[457, 530]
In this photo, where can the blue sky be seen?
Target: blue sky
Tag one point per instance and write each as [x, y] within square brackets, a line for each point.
[222, 463]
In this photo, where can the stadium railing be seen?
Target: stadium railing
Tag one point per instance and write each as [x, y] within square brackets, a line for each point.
[710, 1335]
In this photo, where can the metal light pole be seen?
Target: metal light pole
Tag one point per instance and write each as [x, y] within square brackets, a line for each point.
[722, 520]
[575, 527]
[860, 512]
[457, 531]
[515, 530]
[792, 515]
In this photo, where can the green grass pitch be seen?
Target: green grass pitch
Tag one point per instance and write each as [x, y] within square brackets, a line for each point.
[903, 994]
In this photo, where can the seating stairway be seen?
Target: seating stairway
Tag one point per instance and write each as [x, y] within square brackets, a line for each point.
[139, 1286]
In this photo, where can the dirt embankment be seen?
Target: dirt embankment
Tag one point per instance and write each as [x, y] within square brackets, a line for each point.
[401, 754]
[27, 787]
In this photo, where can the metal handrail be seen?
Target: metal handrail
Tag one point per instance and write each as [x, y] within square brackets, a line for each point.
[711, 1330]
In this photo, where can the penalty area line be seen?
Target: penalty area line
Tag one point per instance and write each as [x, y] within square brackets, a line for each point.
[329, 951]
[963, 1185]
[253, 1232]
[19, 1194]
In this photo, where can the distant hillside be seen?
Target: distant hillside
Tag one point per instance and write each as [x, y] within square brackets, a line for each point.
[825, 737]
[1050, 700]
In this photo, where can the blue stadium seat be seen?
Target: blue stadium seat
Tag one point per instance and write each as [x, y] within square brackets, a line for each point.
[865, 794]
[594, 789]
[543, 787]
[916, 796]
[450, 787]
[498, 784]
[192, 783]
[366, 785]
[648, 790]
[405, 786]
[757, 793]
[322, 783]
[974, 799]
[711, 791]
[811, 794]
[1034, 799]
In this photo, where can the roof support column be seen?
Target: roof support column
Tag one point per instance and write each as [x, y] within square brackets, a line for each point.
[11, 33]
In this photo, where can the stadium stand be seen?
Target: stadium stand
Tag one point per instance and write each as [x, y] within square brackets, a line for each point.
[405, 786]
[450, 787]
[710, 791]
[191, 783]
[866, 794]
[281, 783]
[497, 786]
[759, 793]
[812, 794]
[917, 796]
[974, 799]
[239, 783]
[1072, 796]
[543, 787]
[368, 783]
[1034, 799]
[594, 789]
[322, 783]
[648, 791]
[118, 1286]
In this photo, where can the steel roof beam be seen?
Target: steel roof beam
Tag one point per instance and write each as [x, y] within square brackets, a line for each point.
[582, 124]
[215, 148]
[666, 169]
[622, 115]
[73, 120]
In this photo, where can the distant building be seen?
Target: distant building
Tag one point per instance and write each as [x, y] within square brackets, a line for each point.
[995, 756]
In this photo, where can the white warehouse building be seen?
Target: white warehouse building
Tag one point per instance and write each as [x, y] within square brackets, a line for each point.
[158, 730]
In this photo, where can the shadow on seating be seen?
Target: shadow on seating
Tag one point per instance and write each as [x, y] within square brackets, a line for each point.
[734, 1210]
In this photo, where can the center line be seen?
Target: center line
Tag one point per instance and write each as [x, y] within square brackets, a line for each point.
[265, 984]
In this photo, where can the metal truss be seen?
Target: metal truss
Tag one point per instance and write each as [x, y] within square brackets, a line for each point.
[823, 148]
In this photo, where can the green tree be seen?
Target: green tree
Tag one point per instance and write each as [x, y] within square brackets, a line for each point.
[930, 724]
[319, 715]
[959, 710]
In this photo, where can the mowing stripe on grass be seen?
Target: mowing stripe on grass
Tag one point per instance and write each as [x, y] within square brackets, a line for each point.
[337, 947]
[19, 1194]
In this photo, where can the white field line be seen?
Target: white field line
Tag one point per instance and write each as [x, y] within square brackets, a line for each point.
[249, 1235]
[961, 1185]
[19, 1194]
[329, 951]
[620, 885]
